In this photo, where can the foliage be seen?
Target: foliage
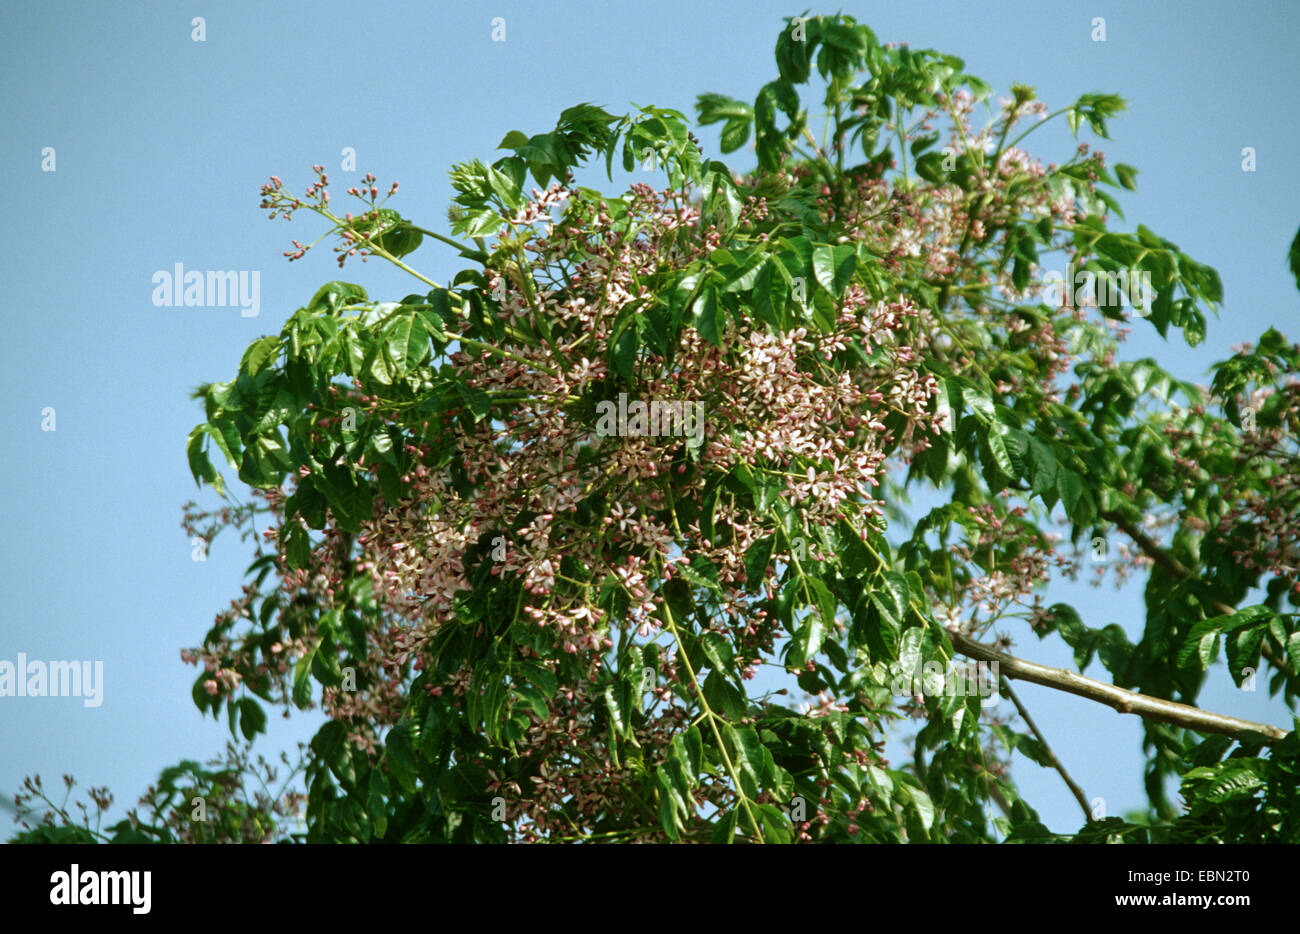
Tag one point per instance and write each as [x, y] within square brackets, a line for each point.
[190, 803]
[526, 623]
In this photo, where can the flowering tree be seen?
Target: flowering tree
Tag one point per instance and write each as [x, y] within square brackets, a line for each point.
[554, 543]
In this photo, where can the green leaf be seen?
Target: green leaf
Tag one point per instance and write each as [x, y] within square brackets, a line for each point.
[825, 601]
[332, 296]
[400, 753]
[200, 466]
[625, 349]
[1070, 485]
[718, 651]
[1293, 259]
[792, 56]
[670, 805]
[534, 700]
[1027, 745]
[771, 292]
[512, 140]
[806, 641]
[543, 678]
[997, 450]
[706, 316]
[930, 168]
[692, 746]
[713, 108]
[834, 267]
[920, 802]
[747, 754]
[302, 680]
[1127, 175]
[407, 342]
[227, 439]
[297, 547]
[891, 598]
[756, 560]
[679, 772]
[1202, 640]
[504, 188]
[202, 700]
[1235, 778]
[724, 831]
[978, 400]
[258, 354]
[735, 133]
[1043, 470]
[1205, 647]
[776, 826]
[377, 801]
[325, 665]
[723, 697]
[389, 232]
[252, 718]
[742, 274]
[478, 401]
[616, 713]
[910, 656]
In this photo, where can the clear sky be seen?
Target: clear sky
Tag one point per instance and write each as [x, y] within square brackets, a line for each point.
[162, 142]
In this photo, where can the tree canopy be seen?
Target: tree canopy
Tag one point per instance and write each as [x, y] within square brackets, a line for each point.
[557, 545]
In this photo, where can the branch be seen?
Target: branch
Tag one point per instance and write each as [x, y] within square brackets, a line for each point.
[1152, 549]
[1176, 568]
[1056, 763]
[1124, 701]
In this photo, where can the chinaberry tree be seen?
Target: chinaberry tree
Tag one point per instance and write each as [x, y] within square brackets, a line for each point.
[525, 625]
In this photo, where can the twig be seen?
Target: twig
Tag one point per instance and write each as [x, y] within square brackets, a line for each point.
[1056, 763]
[1175, 567]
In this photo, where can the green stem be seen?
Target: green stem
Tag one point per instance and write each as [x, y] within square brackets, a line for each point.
[447, 240]
[713, 722]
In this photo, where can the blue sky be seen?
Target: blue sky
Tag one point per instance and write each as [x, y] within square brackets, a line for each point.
[161, 144]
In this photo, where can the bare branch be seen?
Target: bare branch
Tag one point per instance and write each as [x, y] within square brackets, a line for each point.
[1124, 701]
[1056, 763]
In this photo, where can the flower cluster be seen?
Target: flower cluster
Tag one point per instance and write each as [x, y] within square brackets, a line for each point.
[361, 234]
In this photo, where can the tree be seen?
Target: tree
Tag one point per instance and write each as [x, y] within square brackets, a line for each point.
[535, 531]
